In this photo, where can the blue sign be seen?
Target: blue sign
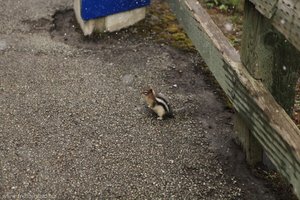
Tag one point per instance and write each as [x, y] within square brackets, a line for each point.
[91, 9]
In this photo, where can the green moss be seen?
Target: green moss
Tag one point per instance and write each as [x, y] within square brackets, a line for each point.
[162, 23]
[179, 36]
[173, 28]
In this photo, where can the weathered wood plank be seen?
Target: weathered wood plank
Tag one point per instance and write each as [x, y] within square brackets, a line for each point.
[266, 7]
[284, 15]
[269, 123]
[287, 20]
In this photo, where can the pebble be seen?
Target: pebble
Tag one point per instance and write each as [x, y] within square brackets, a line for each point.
[3, 45]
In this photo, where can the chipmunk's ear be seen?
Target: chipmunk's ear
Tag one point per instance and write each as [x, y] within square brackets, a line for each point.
[151, 91]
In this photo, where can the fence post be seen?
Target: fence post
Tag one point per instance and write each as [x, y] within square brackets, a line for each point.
[271, 59]
[252, 148]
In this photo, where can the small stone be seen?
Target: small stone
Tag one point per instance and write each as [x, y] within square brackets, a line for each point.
[3, 45]
[228, 27]
[284, 68]
[127, 79]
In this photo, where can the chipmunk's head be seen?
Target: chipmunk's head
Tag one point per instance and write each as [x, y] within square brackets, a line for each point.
[148, 92]
[149, 96]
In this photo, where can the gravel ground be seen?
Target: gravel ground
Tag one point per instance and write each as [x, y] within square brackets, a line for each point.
[73, 125]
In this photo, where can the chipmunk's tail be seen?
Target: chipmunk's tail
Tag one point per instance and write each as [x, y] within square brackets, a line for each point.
[177, 111]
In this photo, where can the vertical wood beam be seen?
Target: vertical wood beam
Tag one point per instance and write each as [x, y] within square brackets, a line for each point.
[271, 59]
[251, 146]
[251, 30]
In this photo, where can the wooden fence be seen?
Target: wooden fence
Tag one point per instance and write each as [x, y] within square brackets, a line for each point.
[261, 82]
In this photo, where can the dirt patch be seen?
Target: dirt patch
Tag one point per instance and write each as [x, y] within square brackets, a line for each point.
[42, 24]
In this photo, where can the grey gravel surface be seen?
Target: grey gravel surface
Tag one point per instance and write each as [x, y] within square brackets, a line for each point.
[73, 126]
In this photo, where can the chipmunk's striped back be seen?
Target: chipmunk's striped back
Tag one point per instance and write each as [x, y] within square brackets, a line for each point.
[161, 101]
[158, 104]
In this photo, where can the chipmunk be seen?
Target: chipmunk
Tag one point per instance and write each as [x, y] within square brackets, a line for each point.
[158, 104]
